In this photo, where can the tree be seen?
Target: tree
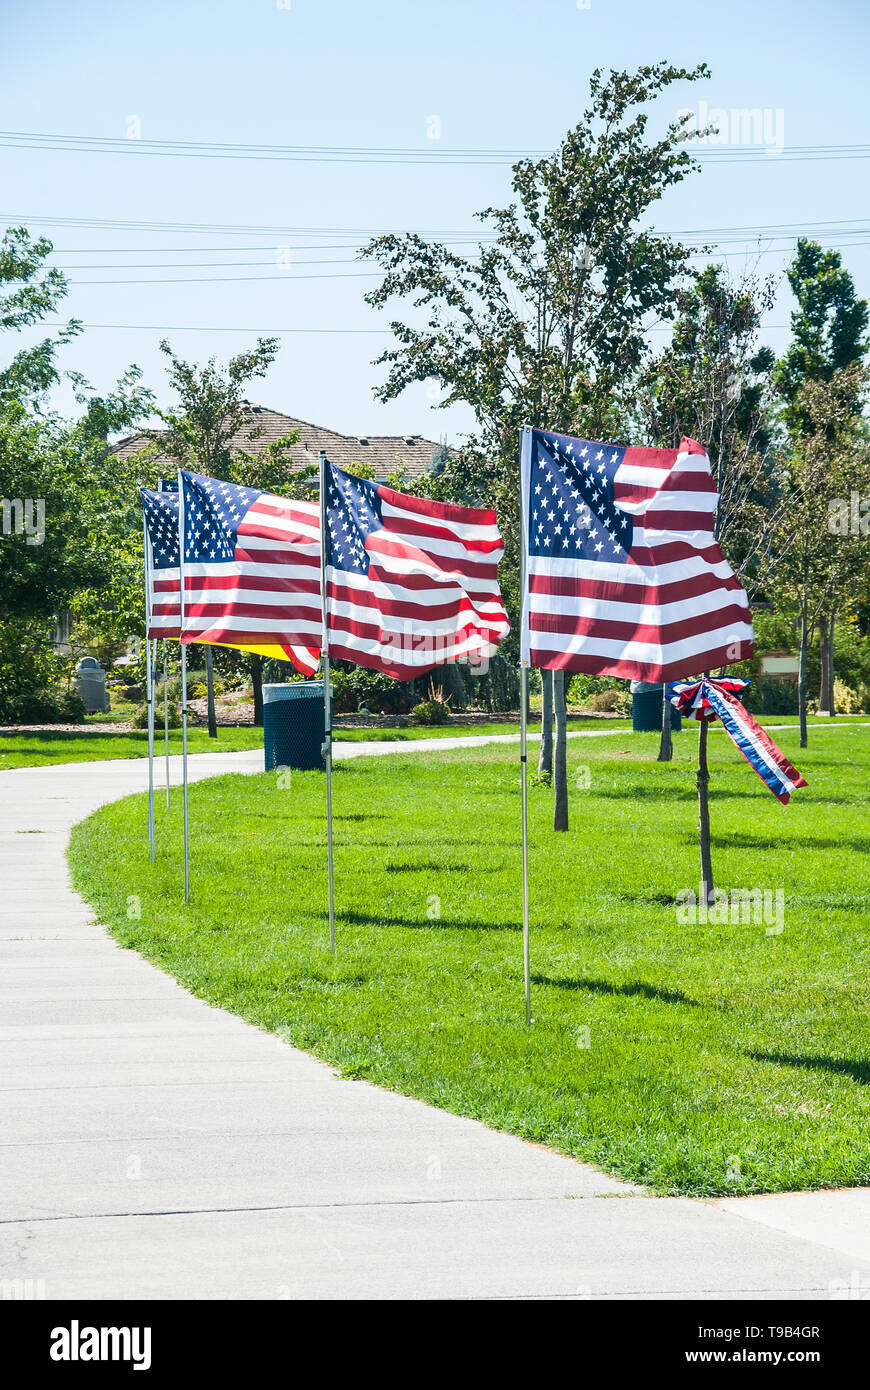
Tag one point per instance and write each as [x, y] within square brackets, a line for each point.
[207, 433]
[714, 382]
[56, 469]
[546, 323]
[32, 371]
[828, 335]
[820, 564]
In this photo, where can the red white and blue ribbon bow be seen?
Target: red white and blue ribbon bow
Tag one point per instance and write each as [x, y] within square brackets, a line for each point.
[712, 699]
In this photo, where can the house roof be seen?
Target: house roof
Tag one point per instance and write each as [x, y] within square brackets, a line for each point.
[386, 453]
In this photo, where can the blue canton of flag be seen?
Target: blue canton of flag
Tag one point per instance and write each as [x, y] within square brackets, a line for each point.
[161, 518]
[212, 512]
[573, 514]
[353, 512]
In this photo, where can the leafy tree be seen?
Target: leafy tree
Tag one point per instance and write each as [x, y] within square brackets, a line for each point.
[713, 382]
[546, 323]
[39, 289]
[828, 334]
[819, 564]
[202, 434]
[52, 468]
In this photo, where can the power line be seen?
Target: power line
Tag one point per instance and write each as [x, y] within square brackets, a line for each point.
[749, 242]
[223, 328]
[200, 328]
[236, 279]
[368, 154]
[230, 229]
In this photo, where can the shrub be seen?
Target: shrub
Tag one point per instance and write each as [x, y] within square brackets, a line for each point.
[140, 718]
[616, 702]
[846, 700]
[581, 688]
[772, 697]
[431, 712]
[50, 707]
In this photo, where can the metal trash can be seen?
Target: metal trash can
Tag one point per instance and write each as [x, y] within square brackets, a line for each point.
[646, 708]
[90, 683]
[293, 728]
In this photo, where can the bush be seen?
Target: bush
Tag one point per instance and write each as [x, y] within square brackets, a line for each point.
[772, 697]
[431, 712]
[616, 702]
[359, 689]
[581, 688]
[140, 718]
[847, 700]
[49, 707]
[498, 689]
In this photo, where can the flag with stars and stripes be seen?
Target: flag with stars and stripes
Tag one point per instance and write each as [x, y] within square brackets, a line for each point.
[161, 562]
[251, 567]
[624, 576]
[410, 583]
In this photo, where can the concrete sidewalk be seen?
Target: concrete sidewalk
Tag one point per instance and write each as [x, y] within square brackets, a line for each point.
[154, 1147]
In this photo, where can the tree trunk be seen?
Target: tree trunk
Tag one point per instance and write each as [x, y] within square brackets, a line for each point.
[257, 683]
[209, 681]
[560, 754]
[828, 658]
[666, 746]
[704, 815]
[826, 694]
[802, 672]
[545, 756]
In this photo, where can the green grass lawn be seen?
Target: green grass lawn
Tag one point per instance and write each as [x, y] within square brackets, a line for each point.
[696, 1059]
[89, 745]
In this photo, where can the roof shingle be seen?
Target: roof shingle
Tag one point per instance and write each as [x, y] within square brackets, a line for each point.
[385, 453]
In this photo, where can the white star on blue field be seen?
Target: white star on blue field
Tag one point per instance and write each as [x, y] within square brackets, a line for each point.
[572, 512]
[353, 512]
[213, 511]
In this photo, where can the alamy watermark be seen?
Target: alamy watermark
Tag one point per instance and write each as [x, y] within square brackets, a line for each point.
[849, 516]
[760, 907]
[739, 125]
[24, 517]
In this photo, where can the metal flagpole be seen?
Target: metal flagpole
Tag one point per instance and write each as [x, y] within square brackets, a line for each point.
[149, 688]
[183, 685]
[525, 468]
[163, 486]
[524, 696]
[165, 721]
[327, 702]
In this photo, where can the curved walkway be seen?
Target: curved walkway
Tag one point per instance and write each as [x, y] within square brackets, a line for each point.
[154, 1147]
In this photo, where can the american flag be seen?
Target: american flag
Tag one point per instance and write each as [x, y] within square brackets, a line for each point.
[410, 583]
[251, 569]
[624, 576]
[161, 568]
[707, 699]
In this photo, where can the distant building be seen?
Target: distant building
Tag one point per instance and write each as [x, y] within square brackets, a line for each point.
[385, 453]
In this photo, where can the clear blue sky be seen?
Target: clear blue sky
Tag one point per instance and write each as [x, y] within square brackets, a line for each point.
[499, 74]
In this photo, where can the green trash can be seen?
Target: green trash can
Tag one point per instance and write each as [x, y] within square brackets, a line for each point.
[646, 708]
[293, 728]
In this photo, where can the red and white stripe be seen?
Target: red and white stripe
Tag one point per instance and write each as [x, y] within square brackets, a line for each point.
[431, 595]
[674, 608]
[163, 605]
[269, 594]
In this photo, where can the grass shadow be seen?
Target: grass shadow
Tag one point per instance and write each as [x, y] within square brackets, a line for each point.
[739, 840]
[637, 987]
[368, 919]
[858, 1071]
